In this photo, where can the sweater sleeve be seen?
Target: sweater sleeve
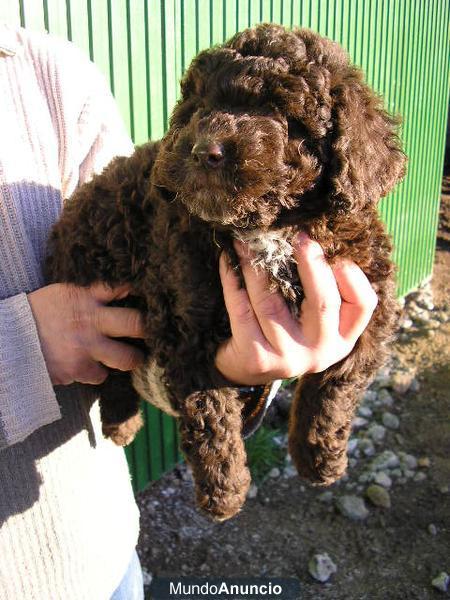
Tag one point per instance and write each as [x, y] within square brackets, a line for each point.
[91, 134]
[27, 398]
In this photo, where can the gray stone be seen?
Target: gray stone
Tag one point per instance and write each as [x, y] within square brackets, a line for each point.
[352, 445]
[383, 479]
[432, 529]
[366, 446]
[422, 319]
[186, 474]
[377, 432]
[421, 476]
[382, 378]
[408, 473]
[365, 411]
[385, 460]
[352, 507]
[434, 324]
[406, 323]
[378, 495]
[326, 497]
[401, 381]
[352, 462]
[441, 582]
[289, 471]
[365, 477]
[385, 398]
[428, 304]
[390, 421]
[321, 567]
[370, 396]
[359, 422]
[275, 472]
[399, 439]
[147, 577]
[253, 491]
[407, 461]
[280, 440]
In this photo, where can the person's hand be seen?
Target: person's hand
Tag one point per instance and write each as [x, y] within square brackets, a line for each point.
[267, 343]
[75, 330]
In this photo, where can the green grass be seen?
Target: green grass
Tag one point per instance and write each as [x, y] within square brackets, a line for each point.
[264, 453]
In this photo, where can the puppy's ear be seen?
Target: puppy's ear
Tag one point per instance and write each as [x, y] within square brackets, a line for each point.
[182, 112]
[201, 73]
[366, 160]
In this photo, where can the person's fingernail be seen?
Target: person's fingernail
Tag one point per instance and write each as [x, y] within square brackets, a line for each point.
[301, 238]
[122, 291]
[241, 249]
[342, 264]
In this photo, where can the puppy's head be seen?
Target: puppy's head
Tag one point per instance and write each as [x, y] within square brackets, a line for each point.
[276, 120]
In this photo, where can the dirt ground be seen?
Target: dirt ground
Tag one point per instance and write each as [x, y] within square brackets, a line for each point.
[393, 554]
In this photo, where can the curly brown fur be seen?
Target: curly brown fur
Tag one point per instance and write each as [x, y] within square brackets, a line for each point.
[275, 132]
[213, 445]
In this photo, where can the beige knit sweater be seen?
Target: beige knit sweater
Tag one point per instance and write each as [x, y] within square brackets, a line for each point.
[68, 520]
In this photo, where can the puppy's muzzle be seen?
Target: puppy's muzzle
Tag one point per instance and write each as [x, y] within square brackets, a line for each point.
[209, 154]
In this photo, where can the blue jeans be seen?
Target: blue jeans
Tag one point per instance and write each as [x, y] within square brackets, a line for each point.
[132, 586]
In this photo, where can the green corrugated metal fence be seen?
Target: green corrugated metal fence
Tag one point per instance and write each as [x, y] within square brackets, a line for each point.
[144, 46]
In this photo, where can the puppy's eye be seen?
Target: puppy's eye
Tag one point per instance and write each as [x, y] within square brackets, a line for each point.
[167, 195]
[296, 130]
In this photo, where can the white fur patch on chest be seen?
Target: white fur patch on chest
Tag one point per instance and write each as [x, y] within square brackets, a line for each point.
[272, 252]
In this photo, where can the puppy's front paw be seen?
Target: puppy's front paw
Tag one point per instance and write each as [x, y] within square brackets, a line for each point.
[124, 433]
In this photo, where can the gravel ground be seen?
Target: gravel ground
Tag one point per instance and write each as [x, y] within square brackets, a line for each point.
[383, 531]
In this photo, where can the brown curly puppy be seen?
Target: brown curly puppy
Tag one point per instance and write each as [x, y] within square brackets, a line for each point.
[275, 132]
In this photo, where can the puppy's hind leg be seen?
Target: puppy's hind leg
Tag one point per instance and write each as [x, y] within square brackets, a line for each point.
[321, 415]
[119, 408]
[319, 427]
[212, 442]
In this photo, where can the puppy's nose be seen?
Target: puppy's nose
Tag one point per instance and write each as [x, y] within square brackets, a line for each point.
[209, 153]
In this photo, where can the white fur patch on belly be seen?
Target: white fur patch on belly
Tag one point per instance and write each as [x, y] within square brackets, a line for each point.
[149, 383]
